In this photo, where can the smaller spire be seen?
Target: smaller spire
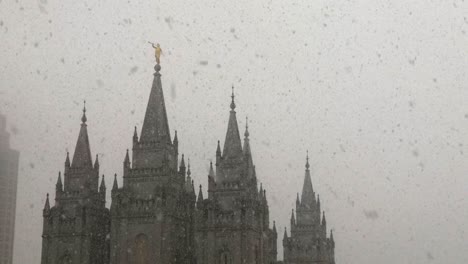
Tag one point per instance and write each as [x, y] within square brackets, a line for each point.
[59, 185]
[83, 118]
[293, 218]
[182, 162]
[233, 105]
[67, 160]
[47, 204]
[211, 173]
[307, 162]
[200, 197]
[102, 188]
[115, 186]
[331, 236]
[324, 221]
[127, 160]
[176, 140]
[285, 235]
[274, 227]
[96, 162]
[260, 192]
[218, 149]
[135, 135]
[297, 199]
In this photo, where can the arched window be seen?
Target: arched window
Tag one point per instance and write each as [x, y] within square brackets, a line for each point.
[141, 249]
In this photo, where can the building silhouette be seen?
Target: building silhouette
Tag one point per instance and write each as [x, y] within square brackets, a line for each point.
[8, 185]
[156, 215]
[308, 241]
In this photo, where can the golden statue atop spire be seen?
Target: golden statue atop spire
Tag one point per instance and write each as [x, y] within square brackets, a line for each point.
[157, 51]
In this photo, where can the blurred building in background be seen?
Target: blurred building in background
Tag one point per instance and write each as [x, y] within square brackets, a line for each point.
[8, 185]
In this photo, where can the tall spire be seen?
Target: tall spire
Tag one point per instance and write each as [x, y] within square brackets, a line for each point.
[82, 156]
[155, 125]
[232, 144]
[308, 197]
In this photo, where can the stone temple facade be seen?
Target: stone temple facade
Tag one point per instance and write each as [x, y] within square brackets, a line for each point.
[156, 215]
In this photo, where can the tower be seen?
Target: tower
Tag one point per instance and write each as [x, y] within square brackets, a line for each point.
[151, 213]
[8, 186]
[308, 242]
[76, 227]
[232, 223]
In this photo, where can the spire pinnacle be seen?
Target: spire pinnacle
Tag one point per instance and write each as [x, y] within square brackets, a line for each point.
[155, 125]
[232, 144]
[246, 134]
[233, 105]
[135, 135]
[67, 160]
[127, 159]
[59, 185]
[96, 162]
[83, 118]
[218, 148]
[324, 221]
[102, 188]
[82, 157]
[176, 140]
[308, 196]
[115, 185]
[200, 197]
[182, 162]
[47, 204]
[285, 235]
[211, 173]
[274, 227]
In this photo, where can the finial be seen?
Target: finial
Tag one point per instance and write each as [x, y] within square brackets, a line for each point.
[83, 118]
[307, 158]
[246, 134]
[233, 105]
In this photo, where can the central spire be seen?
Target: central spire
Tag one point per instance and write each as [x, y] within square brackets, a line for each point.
[155, 125]
[308, 196]
[232, 144]
[82, 156]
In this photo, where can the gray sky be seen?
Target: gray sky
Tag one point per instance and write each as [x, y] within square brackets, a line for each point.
[376, 90]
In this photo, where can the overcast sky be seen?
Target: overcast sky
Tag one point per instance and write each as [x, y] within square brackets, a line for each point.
[377, 91]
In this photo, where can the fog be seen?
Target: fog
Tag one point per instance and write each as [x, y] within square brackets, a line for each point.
[376, 91]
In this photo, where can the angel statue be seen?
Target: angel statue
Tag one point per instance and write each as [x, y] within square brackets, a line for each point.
[157, 51]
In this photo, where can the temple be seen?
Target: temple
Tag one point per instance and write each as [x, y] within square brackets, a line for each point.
[156, 215]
